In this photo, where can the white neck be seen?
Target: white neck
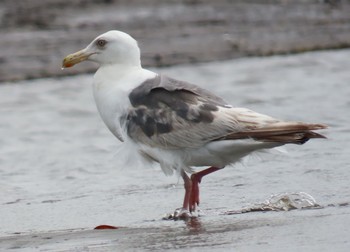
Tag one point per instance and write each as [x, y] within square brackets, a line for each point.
[112, 85]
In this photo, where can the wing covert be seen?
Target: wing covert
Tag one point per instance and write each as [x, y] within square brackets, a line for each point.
[174, 114]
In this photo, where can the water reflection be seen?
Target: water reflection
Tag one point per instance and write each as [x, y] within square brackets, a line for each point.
[195, 225]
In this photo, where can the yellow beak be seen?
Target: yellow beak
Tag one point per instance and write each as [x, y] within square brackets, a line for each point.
[75, 58]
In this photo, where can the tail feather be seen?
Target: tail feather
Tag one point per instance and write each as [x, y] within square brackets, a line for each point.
[281, 132]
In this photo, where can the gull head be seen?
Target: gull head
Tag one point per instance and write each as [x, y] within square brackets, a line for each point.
[113, 47]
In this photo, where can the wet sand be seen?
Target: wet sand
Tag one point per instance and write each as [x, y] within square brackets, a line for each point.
[62, 174]
[305, 231]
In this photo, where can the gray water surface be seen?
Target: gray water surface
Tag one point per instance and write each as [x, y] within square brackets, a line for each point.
[61, 174]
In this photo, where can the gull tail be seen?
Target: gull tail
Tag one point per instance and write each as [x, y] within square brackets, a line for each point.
[281, 132]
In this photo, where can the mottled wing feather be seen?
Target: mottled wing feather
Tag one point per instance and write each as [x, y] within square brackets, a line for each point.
[172, 114]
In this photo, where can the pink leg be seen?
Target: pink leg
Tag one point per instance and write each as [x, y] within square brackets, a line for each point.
[188, 190]
[196, 178]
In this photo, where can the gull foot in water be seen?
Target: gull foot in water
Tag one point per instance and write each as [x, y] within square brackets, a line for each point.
[181, 214]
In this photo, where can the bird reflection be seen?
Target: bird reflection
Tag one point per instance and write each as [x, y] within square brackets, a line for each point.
[195, 225]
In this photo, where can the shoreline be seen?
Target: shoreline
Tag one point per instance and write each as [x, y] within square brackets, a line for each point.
[173, 33]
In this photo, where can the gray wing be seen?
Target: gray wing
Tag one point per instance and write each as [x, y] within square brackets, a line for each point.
[171, 114]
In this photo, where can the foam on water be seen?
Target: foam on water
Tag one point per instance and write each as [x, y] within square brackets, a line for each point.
[281, 202]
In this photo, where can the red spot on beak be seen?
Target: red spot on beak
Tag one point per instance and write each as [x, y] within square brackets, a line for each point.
[68, 65]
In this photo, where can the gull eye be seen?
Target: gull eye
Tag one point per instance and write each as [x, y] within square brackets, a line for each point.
[101, 43]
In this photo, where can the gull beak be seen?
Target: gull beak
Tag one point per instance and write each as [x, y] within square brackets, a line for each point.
[75, 58]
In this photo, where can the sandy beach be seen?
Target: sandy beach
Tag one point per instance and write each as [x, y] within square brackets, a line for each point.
[36, 34]
[62, 173]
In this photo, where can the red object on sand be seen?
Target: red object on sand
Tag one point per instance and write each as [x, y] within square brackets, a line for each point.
[106, 227]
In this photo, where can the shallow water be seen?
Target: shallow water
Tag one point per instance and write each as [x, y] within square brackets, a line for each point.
[61, 174]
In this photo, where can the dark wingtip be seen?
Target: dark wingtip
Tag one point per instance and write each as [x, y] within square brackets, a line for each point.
[309, 135]
[313, 134]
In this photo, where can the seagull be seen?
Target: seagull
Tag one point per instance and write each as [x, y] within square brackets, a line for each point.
[181, 126]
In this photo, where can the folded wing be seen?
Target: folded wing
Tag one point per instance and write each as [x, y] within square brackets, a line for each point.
[172, 114]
